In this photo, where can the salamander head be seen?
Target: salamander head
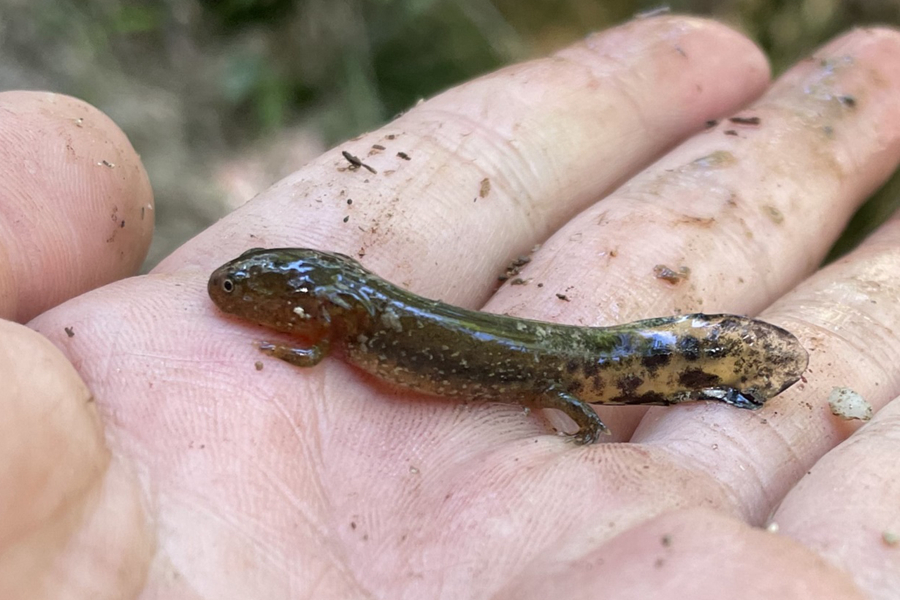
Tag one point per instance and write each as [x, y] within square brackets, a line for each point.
[288, 289]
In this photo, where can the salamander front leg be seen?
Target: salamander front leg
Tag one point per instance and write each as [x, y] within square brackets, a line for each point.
[590, 427]
[299, 357]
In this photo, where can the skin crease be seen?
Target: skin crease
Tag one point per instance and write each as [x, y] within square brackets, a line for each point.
[165, 465]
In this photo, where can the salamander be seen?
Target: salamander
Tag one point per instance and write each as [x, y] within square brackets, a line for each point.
[332, 303]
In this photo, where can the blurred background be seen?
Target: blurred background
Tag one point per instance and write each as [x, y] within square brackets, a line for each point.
[221, 98]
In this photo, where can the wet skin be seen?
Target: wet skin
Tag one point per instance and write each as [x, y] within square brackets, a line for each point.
[330, 302]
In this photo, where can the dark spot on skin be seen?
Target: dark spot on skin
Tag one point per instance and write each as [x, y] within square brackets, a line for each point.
[629, 383]
[654, 361]
[572, 366]
[698, 378]
[575, 387]
[591, 369]
[689, 347]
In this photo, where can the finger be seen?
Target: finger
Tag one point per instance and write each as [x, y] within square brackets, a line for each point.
[67, 519]
[846, 510]
[689, 554]
[77, 208]
[495, 165]
[727, 223]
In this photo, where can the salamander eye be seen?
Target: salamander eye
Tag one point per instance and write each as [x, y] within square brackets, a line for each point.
[227, 285]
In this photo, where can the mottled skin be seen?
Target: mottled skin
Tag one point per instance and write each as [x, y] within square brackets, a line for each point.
[331, 302]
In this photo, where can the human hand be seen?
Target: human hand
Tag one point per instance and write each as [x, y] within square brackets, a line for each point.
[194, 475]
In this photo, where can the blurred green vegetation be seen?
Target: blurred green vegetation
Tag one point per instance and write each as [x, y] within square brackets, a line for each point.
[193, 81]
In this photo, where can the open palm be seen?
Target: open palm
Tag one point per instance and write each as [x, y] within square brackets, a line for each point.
[176, 461]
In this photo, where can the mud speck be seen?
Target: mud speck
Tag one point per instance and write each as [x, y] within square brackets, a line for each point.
[670, 275]
[775, 215]
[515, 267]
[485, 188]
[849, 405]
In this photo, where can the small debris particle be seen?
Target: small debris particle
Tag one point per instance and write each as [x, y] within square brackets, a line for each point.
[347, 218]
[891, 538]
[518, 281]
[730, 132]
[355, 163]
[349, 201]
[404, 155]
[773, 527]
[378, 147]
[671, 276]
[79, 122]
[716, 160]
[540, 285]
[563, 297]
[666, 540]
[485, 188]
[653, 12]
[352, 524]
[711, 123]
[69, 331]
[105, 163]
[848, 101]
[515, 267]
[753, 121]
[849, 405]
[122, 224]
[774, 214]
[258, 365]
[413, 470]
[391, 136]
[361, 252]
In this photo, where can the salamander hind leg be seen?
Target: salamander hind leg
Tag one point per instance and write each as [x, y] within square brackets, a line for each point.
[590, 427]
[299, 357]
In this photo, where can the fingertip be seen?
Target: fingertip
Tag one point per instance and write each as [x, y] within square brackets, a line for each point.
[78, 208]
